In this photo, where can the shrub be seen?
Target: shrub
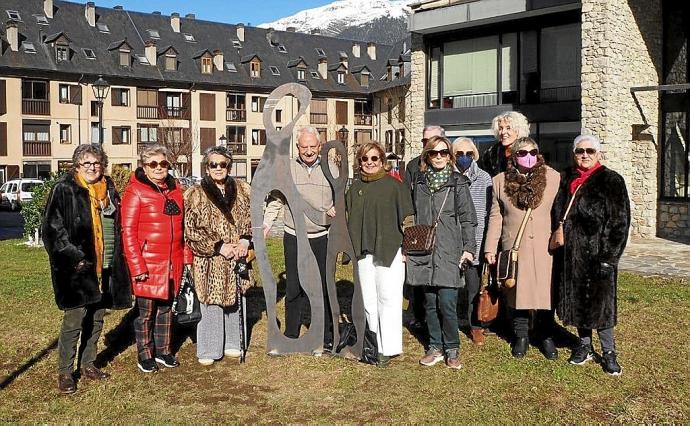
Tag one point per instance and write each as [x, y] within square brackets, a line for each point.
[33, 210]
[120, 177]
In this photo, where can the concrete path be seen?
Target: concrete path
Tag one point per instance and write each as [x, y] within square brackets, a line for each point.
[656, 256]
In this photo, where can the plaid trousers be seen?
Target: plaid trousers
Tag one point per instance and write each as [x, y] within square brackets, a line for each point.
[153, 327]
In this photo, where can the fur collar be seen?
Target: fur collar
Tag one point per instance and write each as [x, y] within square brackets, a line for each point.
[141, 177]
[224, 203]
[526, 190]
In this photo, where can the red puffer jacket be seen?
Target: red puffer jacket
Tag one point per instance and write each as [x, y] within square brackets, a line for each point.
[152, 240]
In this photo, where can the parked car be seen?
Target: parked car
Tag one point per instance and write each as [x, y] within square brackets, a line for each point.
[16, 192]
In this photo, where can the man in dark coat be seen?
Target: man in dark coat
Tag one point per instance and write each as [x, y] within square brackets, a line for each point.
[81, 233]
[586, 267]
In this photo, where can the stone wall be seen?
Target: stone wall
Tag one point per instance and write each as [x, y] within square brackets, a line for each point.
[417, 97]
[674, 221]
[621, 48]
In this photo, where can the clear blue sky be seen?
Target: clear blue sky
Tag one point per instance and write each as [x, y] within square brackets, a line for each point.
[230, 11]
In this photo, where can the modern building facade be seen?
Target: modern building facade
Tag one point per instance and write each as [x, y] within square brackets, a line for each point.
[185, 83]
[614, 68]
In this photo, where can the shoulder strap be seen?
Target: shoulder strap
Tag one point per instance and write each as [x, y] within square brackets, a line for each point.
[570, 204]
[440, 210]
[521, 231]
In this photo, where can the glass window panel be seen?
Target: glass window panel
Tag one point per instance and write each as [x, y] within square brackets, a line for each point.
[433, 77]
[560, 56]
[470, 66]
[529, 68]
[675, 154]
[509, 62]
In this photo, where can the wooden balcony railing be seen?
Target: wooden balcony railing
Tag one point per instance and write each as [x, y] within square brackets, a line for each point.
[236, 115]
[147, 112]
[36, 106]
[318, 118]
[174, 112]
[36, 149]
[362, 119]
[238, 148]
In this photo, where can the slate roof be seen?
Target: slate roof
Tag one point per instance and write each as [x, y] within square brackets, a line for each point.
[132, 28]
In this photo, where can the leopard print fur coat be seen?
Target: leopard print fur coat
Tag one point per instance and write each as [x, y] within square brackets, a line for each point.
[211, 219]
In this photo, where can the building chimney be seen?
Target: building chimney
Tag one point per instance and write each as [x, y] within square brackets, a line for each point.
[356, 50]
[118, 7]
[190, 16]
[12, 35]
[156, 12]
[90, 13]
[150, 52]
[48, 8]
[240, 32]
[371, 50]
[218, 59]
[175, 22]
[291, 29]
[323, 68]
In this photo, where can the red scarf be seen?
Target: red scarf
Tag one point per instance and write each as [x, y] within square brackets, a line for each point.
[583, 176]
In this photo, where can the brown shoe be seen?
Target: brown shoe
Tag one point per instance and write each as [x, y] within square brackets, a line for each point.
[94, 373]
[453, 359]
[66, 384]
[477, 335]
[432, 357]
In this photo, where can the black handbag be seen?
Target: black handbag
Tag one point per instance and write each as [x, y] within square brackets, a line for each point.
[348, 337]
[186, 307]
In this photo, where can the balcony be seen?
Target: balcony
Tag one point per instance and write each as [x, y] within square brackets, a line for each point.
[147, 112]
[318, 118]
[362, 119]
[234, 114]
[181, 113]
[238, 148]
[36, 107]
[36, 149]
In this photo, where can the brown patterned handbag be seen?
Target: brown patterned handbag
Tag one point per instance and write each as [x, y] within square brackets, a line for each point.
[419, 239]
[487, 306]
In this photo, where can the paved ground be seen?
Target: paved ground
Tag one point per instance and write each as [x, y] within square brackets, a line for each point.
[11, 225]
[656, 256]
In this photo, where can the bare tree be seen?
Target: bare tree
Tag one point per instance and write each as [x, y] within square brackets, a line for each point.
[180, 141]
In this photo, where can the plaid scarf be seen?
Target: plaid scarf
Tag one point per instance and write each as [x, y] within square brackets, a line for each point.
[436, 179]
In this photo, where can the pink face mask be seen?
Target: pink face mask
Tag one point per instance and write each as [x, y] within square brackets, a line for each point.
[528, 161]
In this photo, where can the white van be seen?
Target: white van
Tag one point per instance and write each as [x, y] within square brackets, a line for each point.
[17, 191]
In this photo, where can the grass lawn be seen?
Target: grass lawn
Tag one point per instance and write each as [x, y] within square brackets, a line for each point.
[652, 338]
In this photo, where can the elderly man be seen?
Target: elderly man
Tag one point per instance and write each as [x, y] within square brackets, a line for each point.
[316, 191]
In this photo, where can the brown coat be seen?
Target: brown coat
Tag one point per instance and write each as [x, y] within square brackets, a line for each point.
[533, 289]
[206, 228]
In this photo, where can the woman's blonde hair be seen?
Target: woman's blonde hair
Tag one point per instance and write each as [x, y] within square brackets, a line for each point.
[515, 119]
[471, 142]
[431, 144]
[368, 147]
[152, 150]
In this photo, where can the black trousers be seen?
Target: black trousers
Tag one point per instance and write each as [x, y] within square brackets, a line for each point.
[472, 284]
[295, 297]
[543, 326]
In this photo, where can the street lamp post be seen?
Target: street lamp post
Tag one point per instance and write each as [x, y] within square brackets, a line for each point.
[342, 135]
[223, 141]
[100, 92]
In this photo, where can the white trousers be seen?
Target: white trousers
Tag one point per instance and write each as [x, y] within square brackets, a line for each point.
[382, 291]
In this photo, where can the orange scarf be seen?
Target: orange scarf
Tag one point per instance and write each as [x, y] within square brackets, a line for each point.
[98, 194]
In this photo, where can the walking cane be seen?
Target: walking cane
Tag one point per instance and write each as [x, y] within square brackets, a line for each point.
[241, 269]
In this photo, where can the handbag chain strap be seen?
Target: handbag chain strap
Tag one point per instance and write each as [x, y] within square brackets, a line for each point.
[440, 210]
[521, 231]
[570, 204]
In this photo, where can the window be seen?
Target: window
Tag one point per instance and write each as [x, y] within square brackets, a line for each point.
[475, 68]
[189, 38]
[41, 19]
[125, 58]
[207, 106]
[279, 115]
[61, 53]
[63, 94]
[300, 75]
[154, 34]
[69, 94]
[341, 77]
[282, 49]
[36, 171]
[389, 110]
[235, 101]
[236, 134]
[255, 69]
[147, 97]
[364, 79]
[65, 133]
[237, 44]
[148, 133]
[559, 67]
[35, 90]
[94, 108]
[258, 103]
[121, 135]
[36, 133]
[173, 104]
[102, 27]
[258, 137]
[170, 62]
[239, 170]
[141, 58]
[274, 70]
[230, 67]
[14, 15]
[315, 75]
[320, 52]
[95, 133]
[341, 113]
[388, 146]
[28, 47]
[89, 53]
[318, 111]
[206, 65]
[120, 97]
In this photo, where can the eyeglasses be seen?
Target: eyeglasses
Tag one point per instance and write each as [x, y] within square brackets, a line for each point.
[154, 164]
[524, 152]
[466, 154]
[443, 153]
[589, 151]
[89, 164]
[373, 158]
[222, 165]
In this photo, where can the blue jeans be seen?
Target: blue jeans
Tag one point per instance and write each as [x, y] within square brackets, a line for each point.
[440, 304]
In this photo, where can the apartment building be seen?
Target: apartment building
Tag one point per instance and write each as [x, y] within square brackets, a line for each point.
[183, 82]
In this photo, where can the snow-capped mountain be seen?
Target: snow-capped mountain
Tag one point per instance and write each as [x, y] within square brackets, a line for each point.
[383, 21]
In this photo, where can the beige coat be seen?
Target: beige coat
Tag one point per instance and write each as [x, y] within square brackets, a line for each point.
[533, 289]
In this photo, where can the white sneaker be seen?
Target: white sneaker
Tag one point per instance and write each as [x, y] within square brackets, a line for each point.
[233, 353]
[206, 361]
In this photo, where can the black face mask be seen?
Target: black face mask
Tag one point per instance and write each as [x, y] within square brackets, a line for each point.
[171, 208]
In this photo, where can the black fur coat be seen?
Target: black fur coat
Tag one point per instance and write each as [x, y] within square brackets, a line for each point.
[596, 231]
[68, 238]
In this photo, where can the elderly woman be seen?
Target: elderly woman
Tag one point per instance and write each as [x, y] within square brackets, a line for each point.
[153, 244]
[596, 231]
[81, 232]
[466, 156]
[527, 183]
[507, 127]
[217, 230]
[442, 198]
[376, 205]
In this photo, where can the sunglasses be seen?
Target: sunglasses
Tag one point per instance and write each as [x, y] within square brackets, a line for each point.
[373, 158]
[589, 151]
[465, 154]
[88, 164]
[443, 153]
[524, 152]
[154, 164]
[222, 165]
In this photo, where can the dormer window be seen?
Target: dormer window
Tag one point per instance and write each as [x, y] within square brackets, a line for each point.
[301, 75]
[41, 19]
[14, 15]
[61, 53]
[255, 69]
[237, 44]
[28, 47]
[230, 67]
[320, 52]
[274, 70]
[89, 53]
[170, 62]
[189, 38]
[364, 79]
[103, 28]
[341, 77]
[206, 65]
[124, 58]
[282, 49]
[141, 58]
[154, 34]
[315, 75]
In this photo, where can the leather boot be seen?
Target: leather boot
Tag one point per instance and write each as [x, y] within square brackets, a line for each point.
[520, 345]
[548, 348]
[66, 384]
[94, 373]
[477, 335]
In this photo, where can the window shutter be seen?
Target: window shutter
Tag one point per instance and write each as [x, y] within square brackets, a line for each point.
[117, 136]
[207, 103]
[115, 97]
[341, 112]
[3, 139]
[12, 172]
[75, 95]
[3, 98]
[186, 106]
[208, 138]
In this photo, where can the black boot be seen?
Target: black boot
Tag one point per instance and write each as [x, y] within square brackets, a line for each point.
[520, 345]
[548, 348]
